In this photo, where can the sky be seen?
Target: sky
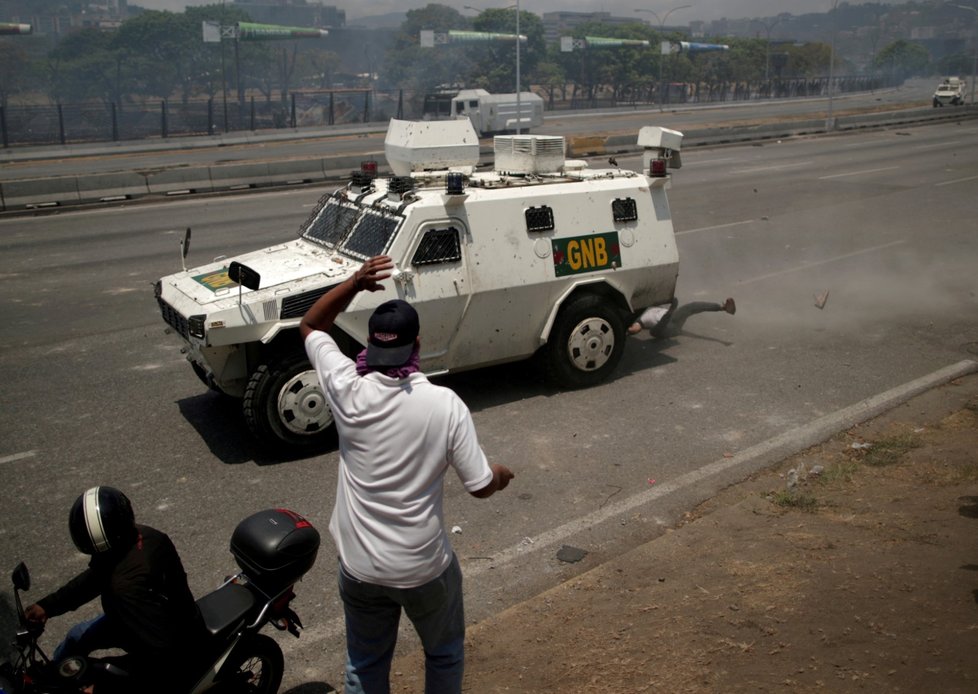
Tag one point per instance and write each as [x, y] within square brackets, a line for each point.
[705, 10]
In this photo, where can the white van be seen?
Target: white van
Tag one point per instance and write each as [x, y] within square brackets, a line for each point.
[490, 113]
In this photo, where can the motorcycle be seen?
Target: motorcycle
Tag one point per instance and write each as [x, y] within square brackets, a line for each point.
[273, 548]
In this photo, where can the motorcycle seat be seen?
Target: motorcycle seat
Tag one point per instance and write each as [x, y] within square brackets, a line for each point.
[225, 608]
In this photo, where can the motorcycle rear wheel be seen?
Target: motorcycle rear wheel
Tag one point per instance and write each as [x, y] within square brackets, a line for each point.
[254, 667]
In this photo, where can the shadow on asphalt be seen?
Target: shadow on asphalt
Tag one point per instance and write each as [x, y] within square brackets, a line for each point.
[312, 688]
[220, 423]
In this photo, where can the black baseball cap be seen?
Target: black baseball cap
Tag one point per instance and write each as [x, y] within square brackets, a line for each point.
[393, 330]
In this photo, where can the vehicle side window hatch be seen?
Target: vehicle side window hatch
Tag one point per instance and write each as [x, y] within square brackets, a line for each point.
[624, 210]
[438, 246]
[539, 219]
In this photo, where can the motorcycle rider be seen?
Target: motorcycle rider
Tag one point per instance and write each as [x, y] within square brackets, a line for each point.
[148, 609]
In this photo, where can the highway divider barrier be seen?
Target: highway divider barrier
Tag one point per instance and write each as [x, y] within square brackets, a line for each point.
[58, 191]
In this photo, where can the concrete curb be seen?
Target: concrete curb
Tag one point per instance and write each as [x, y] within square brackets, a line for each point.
[60, 191]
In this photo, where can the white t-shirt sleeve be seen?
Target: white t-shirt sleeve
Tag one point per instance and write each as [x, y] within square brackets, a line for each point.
[464, 453]
[331, 365]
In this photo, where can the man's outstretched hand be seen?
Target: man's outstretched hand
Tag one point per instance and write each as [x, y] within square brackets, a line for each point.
[372, 272]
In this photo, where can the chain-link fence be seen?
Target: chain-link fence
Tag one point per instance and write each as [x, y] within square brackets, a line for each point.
[106, 122]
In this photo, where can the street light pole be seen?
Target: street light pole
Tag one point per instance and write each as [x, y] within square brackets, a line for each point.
[829, 122]
[662, 24]
[767, 53]
[519, 113]
[974, 41]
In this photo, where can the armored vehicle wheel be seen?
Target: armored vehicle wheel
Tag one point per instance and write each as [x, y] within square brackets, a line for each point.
[284, 403]
[255, 666]
[586, 343]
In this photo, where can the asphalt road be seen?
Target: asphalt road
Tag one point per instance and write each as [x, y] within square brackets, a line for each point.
[95, 391]
[150, 155]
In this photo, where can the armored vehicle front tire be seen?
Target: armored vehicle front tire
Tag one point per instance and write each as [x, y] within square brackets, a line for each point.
[284, 404]
[586, 342]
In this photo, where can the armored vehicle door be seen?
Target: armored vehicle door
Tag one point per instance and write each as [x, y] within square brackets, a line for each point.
[435, 279]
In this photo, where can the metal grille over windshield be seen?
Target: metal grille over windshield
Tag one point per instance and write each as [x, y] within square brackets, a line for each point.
[371, 236]
[329, 223]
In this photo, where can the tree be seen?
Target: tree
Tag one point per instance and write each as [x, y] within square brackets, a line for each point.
[494, 63]
[409, 65]
[619, 70]
[549, 75]
[16, 75]
[84, 65]
[205, 61]
[903, 59]
[320, 65]
[956, 64]
[808, 60]
[158, 48]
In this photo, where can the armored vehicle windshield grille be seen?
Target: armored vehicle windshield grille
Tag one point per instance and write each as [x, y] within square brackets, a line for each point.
[438, 246]
[296, 306]
[539, 219]
[174, 319]
[371, 235]
[624, 210]
[330, 222]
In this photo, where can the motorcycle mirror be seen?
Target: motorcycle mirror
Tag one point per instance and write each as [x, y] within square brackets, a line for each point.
[185, 248]
[244, 275]
[21, 577]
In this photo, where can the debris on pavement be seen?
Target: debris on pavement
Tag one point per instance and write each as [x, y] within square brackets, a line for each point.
[570, 555]
[821, 299]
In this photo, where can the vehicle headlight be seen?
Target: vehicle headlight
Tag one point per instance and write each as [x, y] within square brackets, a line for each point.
[195, 325]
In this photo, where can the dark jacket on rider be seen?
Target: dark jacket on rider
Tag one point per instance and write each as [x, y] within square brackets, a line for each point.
[144, 594]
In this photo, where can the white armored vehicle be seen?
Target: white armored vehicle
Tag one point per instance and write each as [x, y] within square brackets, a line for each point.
[489, 113]
[950, 91]
[541, 255]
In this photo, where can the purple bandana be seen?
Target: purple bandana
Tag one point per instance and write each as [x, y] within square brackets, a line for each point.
[402, 371]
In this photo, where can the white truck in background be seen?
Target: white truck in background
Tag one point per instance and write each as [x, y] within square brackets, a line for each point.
[491, 114]
[950, 92]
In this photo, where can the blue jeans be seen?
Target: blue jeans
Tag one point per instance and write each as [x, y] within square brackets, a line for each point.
[372, 616]
[85, 637]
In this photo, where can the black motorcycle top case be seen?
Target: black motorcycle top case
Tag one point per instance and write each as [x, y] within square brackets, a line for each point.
[275, 548]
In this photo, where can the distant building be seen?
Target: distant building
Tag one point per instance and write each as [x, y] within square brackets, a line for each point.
[297, 13]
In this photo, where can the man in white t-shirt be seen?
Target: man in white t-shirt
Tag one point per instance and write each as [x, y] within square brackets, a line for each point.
[398, 435]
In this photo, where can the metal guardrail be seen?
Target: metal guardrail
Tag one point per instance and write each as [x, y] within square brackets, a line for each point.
[32, 125]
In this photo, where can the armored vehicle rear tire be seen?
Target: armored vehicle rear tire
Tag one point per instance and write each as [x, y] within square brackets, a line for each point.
[284, 404]
[586, 342]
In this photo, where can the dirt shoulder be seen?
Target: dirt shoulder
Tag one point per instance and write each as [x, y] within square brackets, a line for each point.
[863, 576]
